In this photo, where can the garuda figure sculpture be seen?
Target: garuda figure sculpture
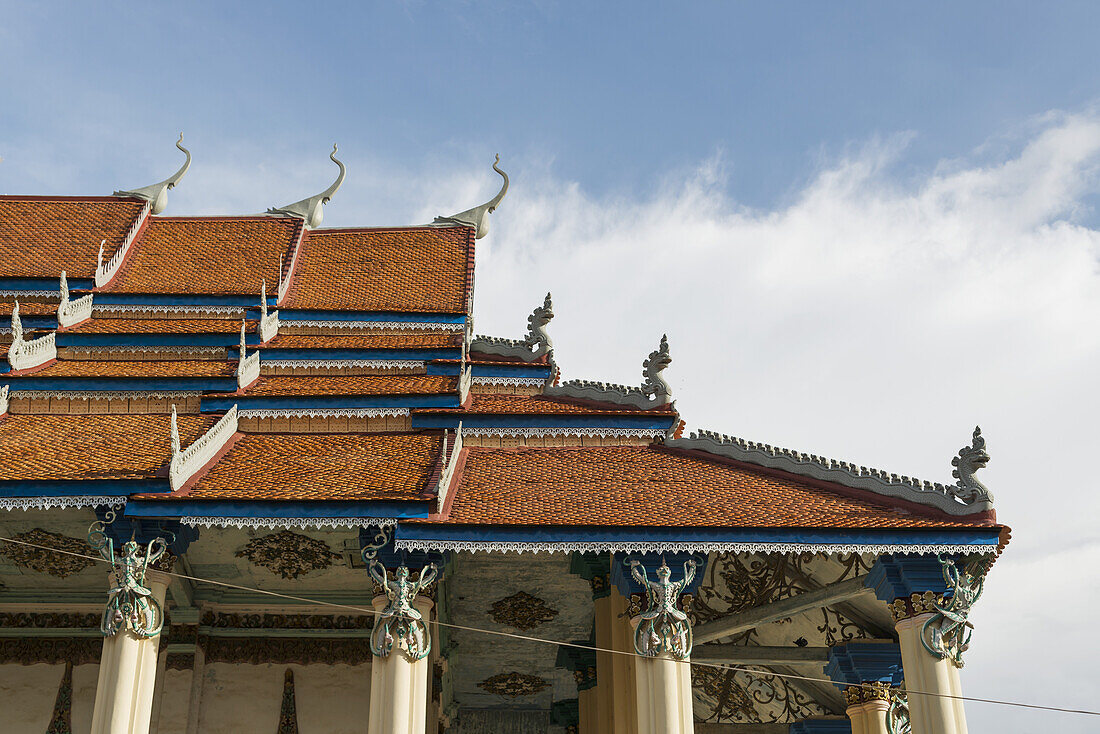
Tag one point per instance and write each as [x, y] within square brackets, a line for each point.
[663, 627]
[130, 603]
[946, 634]
[400, 619]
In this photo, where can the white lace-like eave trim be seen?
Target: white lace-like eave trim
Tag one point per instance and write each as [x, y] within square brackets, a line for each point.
[46, 294]
[517, 381]
[684, 547]
[322, 412]
[569, 431]
[287, 522]
[138, 308]
[46, 503]
[165, 350]
[404, 325]
[334, 364]
[92, 395]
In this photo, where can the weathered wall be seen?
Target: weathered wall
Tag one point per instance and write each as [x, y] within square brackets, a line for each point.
[28, 693]
[175, 697]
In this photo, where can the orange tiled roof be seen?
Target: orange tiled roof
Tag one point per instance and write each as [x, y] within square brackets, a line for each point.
[42, 235]
[645, 485]
[161, 326]
[541, 405]
[29, 308]
[120, 368]
[390, 340]
[228, 255]
[86, 447]
[323, 467]
[289, 385]
[409, 269]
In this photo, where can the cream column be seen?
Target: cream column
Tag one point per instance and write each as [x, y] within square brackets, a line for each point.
[926, 673]
[623, 691]
[399, 685]
[127, 674]
[663, 693]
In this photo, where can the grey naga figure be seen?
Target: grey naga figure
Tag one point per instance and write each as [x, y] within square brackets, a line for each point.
[478, 217]
[662, 627]
[157, 194]
[970, 459]
[310, 210]
[130, 603]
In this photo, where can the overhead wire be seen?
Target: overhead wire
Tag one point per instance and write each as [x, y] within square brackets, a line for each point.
[752, 672]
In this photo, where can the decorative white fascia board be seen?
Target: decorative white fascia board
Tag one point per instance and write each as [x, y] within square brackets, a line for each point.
[322, 412]
[71, 313]
[446, 477]
[248, 370]
[939, 496]
[140, 308]
[464, 384]
[685, 547]
[565, 431]
[186, 463]
[269, 326]
[287, 522]
[24, 355]
[72, 501]
[334, 364]
[144, 348]
[92, 395]
[106, 271]
[501, 347]
[512, 381]
[403, 325]
[653, 393]
[4, 399]
[33, 294]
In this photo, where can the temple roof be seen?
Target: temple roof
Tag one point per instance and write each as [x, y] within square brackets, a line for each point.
[42, 235]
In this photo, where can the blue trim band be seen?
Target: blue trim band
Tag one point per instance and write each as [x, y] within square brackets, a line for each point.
[77, 339]
[45, 284]
[978, 537]
[225, 508]
[415, 354]
[112, 487]
[520, 370]
[428, 420]
[179, 299]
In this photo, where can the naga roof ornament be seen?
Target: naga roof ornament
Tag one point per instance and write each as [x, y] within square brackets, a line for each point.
[653, 393]
[310, 210]
[157, 194]
[478, 217]
[530, 348]
[970, 459]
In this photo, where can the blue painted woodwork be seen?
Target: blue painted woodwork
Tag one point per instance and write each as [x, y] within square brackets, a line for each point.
[865, 662]
[625, 583]
[897, 577]
[822, 726]
[212, 404]
[145, 530]
[91, 487]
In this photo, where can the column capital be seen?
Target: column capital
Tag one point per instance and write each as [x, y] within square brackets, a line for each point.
[864, 693]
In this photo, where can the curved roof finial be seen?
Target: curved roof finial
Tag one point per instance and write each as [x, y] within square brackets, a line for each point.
[478, 216]
[158, 193]
[309, 209]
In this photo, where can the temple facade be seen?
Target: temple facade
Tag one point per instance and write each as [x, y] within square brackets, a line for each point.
[265, 476]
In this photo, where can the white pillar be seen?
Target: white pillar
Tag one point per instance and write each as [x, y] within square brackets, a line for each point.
[663, 685]
[874, 717]
[127, 674]
[926, 673]
[855, 715]
[399, 685]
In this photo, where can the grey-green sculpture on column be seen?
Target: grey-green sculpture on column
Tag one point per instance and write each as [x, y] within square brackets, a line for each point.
[662, 626]
[130, 603]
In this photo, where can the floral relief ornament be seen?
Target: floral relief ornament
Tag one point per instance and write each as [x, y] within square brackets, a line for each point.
[46, 561]
[522, 611]
[288, 554]
[513, 684]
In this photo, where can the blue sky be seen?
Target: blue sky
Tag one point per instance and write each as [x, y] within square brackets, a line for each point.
[865, 227]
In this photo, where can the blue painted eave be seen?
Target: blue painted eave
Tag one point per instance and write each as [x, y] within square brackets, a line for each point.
[527, 420]
[124, 384]
[395, 316]
[106, 487]
[211, 404]
[169, 509]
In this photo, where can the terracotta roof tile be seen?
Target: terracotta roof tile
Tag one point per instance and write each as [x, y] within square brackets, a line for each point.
[29, 308]
[207, 255]
[70, 447]
[161, 326]
[389, 340]
[409, 269]
[542, 405]
[41, 236]
[137, 369]
[648, 486]
[289, 385]
[323, 467]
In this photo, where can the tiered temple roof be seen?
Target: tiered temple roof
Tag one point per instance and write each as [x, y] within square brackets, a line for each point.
[325, 373]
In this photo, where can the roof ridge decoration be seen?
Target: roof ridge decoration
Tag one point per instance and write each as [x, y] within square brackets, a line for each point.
[653, 393]
[248, 365]
[478, 217]
[268, 327]
[4, 399]
[71, 313]
[187, 463]
[446, 477]
[24, 355]
[157, 194]
[105, 272]
[962, 499]
[310, 210]
[532, 347]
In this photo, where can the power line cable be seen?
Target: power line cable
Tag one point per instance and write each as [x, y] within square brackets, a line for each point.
[752, 672]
